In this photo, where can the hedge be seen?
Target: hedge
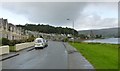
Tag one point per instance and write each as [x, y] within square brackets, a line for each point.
[5, 41]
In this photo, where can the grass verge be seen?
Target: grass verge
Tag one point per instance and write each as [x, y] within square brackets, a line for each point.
[101, 56]
[12, 48]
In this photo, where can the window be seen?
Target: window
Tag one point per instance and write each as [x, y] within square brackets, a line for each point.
[12, 37]
[38, 41]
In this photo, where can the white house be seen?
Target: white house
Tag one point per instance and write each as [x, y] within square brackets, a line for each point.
[10, 31]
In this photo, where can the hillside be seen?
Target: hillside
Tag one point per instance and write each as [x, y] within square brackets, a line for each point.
[109, 32]
[47, 29]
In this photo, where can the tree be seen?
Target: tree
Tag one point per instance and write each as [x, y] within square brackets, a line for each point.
[48, 29]
[82, 36]
[98, 36]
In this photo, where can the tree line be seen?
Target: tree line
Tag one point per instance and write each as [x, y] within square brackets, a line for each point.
[48, 29]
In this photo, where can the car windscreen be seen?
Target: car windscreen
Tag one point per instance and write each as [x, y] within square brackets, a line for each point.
[38, 41]
[44, 41]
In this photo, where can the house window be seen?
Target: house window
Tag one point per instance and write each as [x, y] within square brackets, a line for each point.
[9, 29]
[7, 36]
[12, 37]
[4, 27]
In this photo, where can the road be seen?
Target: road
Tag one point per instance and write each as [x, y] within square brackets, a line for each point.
[52, 57]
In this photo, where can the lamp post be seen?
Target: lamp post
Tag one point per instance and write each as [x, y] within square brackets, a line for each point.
[73, 29]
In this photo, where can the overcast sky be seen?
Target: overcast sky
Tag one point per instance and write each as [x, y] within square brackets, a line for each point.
[86, 15]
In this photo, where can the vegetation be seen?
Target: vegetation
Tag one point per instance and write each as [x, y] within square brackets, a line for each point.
[65, 40]
[98, 36]
[30, 39]
[48, 29]
[12, 43]
[82, 36]
[108, 32]
[5, 41]
[101, 56]
[12, 48]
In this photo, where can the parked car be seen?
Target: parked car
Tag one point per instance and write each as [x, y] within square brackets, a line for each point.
[39, 43]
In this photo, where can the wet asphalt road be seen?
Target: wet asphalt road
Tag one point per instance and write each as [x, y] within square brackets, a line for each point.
[52, 57]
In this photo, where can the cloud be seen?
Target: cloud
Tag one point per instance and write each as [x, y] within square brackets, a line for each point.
[86, 15]
[55, 13]
[59, 0]
[95, 22]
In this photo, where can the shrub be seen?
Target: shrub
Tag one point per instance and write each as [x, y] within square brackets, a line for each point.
[65, 39]
[30, 39]
[0, 41]
[13, 42]
[5, 41]
[94, 43]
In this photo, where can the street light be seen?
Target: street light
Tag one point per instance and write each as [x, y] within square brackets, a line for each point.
[73, 28]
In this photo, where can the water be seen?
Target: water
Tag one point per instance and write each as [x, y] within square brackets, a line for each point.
[108, 40]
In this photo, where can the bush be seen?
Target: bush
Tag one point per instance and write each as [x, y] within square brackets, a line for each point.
[12, 43]
[65, 39]
[0, 41]
[21, 41]
[94, 43]
[30, 39]
[5, 41]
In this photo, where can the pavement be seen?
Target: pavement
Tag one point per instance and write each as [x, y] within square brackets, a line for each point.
[57, 55]
[12, 54]
[75, 59]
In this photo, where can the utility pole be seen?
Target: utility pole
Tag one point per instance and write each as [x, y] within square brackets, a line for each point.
[73, 33]
[92, 34]
[73, 29]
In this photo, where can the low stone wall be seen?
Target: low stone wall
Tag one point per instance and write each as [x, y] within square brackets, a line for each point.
[23, 45]
[4, 50]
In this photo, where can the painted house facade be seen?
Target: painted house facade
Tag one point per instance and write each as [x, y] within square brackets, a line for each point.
[10, 31]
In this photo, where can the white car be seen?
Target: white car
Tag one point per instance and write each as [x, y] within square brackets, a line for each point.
[39, 43]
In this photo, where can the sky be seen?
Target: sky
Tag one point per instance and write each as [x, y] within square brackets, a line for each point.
[84, 15]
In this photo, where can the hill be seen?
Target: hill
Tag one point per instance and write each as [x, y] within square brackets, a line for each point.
[48, 29]
[108, 32]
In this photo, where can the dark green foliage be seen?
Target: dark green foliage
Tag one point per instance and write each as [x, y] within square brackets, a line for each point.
[98, 36]
[82, 36]
[48, 29]
[13, 42]
[31, 39]
[5, 41]
[65, 39]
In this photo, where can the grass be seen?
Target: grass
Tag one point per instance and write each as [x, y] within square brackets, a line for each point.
[12, 48]
[101, 56]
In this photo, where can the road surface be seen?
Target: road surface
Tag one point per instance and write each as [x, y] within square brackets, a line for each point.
[52, 57]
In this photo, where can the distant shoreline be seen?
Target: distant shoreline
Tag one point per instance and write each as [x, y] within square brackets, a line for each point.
[106, 40]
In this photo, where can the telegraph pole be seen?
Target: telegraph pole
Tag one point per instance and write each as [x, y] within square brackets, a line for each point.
[73, 29]
[73, 33]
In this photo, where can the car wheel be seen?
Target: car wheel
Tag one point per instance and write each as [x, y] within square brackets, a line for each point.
[36, 48]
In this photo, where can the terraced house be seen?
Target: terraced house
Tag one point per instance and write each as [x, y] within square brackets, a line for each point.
[10, 31]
